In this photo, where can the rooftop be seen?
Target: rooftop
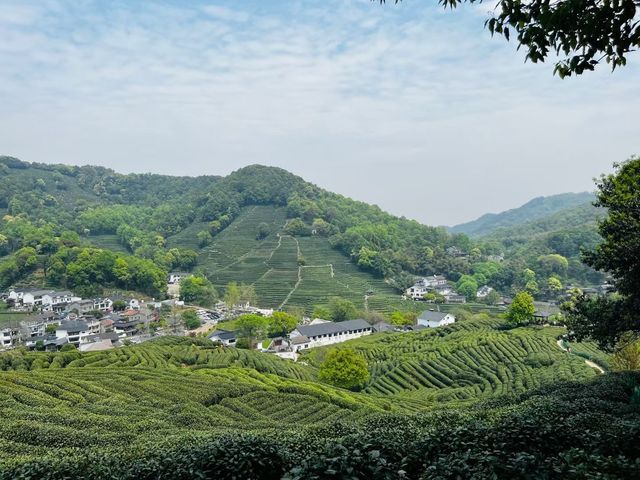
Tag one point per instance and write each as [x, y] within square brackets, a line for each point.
[73, 326]
[222, 335]
[332, 327]
[432, 316]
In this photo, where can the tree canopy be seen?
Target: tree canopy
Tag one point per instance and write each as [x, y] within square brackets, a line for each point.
[607, 318]
[521, 309]
[584, 32]
[344, 368]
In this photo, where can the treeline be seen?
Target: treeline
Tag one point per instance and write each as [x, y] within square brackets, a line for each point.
[67, 261]
[143, 211]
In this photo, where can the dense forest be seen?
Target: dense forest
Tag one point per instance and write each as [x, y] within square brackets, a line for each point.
[54, 215]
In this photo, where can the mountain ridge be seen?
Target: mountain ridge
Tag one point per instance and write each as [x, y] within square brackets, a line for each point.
[534, 209]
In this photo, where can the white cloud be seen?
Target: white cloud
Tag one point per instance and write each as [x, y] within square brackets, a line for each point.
[416, 110]
[224, 13]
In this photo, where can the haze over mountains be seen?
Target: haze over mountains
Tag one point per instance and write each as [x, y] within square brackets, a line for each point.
[534, 209]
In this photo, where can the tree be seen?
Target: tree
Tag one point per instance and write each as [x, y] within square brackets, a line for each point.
[251, 327]
[341, 309]
[626, 355]
[297, 228]
[554, 286]
[232, 294]
[553, 264]
[521, 309]
[204, 238]
[190, 319]
[344, 368]
[119, 305]
[586, 32]
[197, 290]
[467, 286]
[402, 318]
[281, 323]
[296, 312]
[492, 298]
[248, 294]
[262, 231]
[321, 312]
[606, 318]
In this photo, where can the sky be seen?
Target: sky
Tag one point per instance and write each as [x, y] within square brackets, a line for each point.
[410, 107]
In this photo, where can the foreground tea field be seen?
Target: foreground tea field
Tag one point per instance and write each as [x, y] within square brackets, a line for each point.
[183, 391]
[467, 361]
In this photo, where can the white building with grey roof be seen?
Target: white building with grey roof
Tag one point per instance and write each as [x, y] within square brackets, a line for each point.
[433, 319]
[328, 333]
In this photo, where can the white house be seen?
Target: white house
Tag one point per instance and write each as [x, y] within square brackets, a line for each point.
[9, 337]
[76, 332]
[425, 285]
[328, 333]
[484, 291]
[175, 277]
[226, 337]
[36, 325]
[433, 319]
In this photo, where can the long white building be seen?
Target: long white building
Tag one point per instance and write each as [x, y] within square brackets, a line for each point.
[328, 333]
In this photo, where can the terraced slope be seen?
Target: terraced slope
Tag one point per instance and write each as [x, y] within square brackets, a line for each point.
[467, 360]
[98, 408]
[284, 270]
[167, 353]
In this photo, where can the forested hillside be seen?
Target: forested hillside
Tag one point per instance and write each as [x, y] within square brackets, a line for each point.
[87, 228]
[54, 213]
[532, 210]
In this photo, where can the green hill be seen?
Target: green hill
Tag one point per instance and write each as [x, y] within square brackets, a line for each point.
[316, 244]
[532, 210]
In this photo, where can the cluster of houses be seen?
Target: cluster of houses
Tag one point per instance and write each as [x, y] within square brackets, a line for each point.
[438, 284]
[61, 318]
[29, 300]
[320, 333]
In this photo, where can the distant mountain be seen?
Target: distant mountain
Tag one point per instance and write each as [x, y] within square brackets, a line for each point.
[535, 209]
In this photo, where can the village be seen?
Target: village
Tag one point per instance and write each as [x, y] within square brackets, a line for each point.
[60, 320]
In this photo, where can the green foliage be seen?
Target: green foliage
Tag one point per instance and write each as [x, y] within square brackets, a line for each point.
[232, 294]
[281, 323]
[403, 318]
[467, 286]
[190, 319]
[341, 310]
[344, 368]
[262, 231]
[85, 270]
[297, 228]
[521, 309]
[607, 318]
[252, 327]
[626, 355]
[197, 290]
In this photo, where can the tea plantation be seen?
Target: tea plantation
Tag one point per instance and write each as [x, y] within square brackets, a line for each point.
[175, 407]
[284, 270]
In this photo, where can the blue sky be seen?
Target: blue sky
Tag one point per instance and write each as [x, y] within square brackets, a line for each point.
[411, 107]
